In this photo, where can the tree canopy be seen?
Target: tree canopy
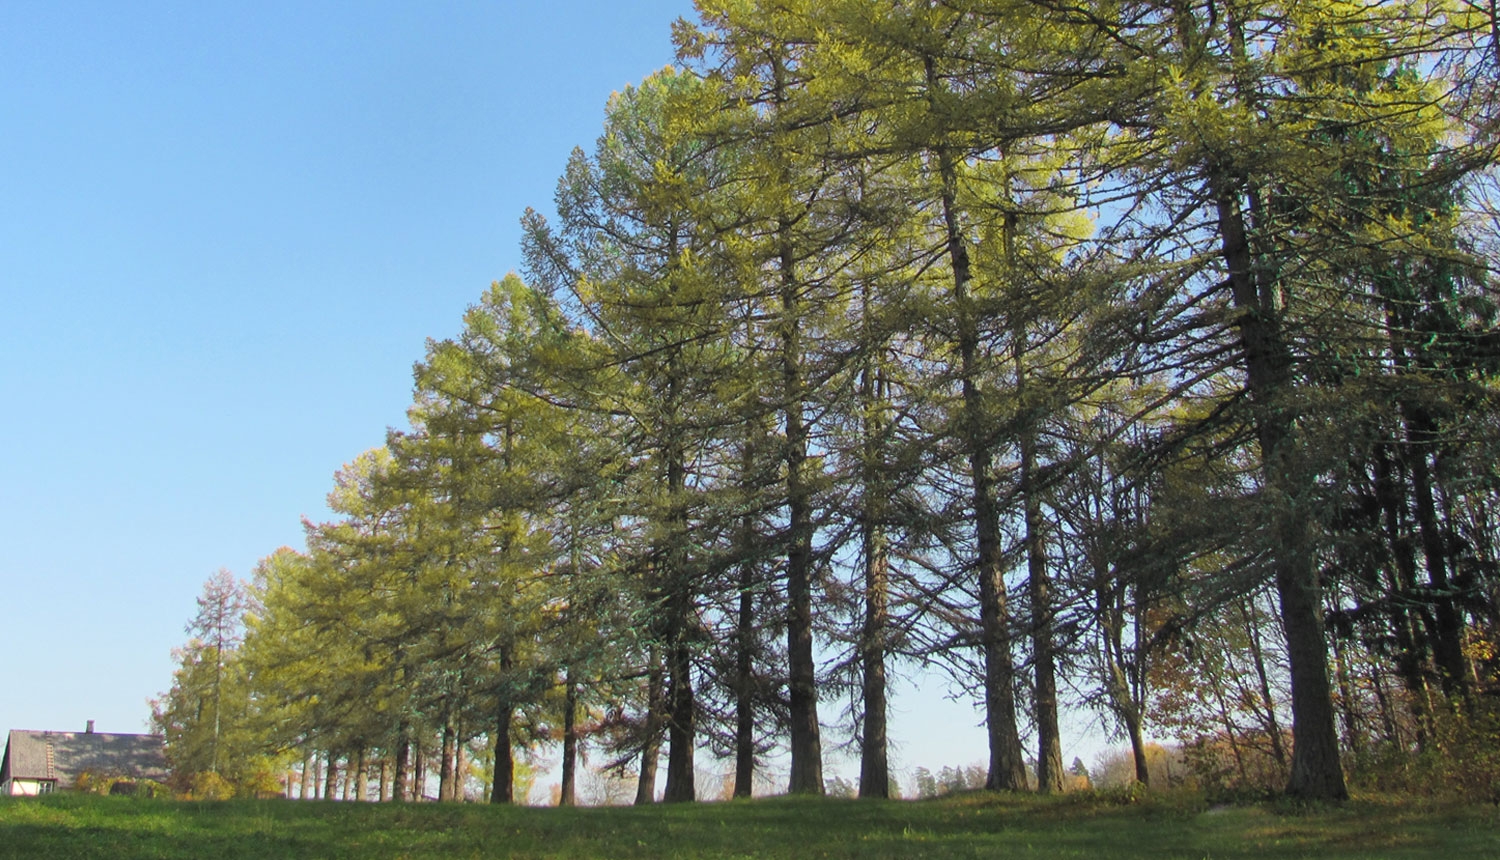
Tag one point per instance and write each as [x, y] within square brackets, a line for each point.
[1137, 357]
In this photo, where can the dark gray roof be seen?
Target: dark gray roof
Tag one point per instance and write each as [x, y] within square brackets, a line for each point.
[64, 755]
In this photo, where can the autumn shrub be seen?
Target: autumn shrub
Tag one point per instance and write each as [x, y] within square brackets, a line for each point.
[259, 778]
[1237, 768]
[207, 785]
[1166, 766]
[91, 782]
[1459, 760]
[140, 788]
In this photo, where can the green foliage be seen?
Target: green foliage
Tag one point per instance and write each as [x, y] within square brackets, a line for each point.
[211, 717]
[1139, 342]
[948, 780]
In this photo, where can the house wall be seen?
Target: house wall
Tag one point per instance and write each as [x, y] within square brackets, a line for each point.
[22, 787]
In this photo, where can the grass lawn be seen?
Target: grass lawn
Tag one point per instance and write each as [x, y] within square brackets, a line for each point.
[972, 825]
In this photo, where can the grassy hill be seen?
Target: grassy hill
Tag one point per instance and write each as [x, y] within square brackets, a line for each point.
[972, 825]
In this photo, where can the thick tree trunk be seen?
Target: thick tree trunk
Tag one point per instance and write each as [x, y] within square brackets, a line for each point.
[681, 710]
[1007, 766]
[503, 789]
[677, 595]
[680, 728]
[399, 791]
[331, 778]
[1316, 771]
[305, 789]
[1138, 751]
[445, 769]
[361, 777]
[805, 741]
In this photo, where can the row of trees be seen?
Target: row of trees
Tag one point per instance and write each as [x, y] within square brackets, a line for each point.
[1140, 349]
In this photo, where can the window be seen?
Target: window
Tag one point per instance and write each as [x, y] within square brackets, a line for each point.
[45, 787]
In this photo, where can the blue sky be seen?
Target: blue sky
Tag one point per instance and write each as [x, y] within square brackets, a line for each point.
[226, 231]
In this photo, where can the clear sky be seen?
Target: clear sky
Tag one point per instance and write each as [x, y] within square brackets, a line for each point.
[226, 230]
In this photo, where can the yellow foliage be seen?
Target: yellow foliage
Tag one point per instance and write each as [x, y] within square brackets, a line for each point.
[209, 786]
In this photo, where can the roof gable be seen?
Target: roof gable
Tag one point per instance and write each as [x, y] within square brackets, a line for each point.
[62, 756]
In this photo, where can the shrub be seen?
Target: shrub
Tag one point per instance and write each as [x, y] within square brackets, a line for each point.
[1459, 760]
[208, 785]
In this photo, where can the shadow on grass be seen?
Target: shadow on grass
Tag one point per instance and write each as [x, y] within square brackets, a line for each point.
[976, 825]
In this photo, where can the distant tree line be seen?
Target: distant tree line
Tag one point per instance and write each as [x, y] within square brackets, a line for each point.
[1134, 356]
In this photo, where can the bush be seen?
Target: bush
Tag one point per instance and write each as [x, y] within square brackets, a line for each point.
[1115, 768]
[208, 785]
[259, 778]
[1241, 768]
[1459, 761]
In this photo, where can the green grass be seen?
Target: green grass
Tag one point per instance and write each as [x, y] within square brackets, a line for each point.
[973, 825]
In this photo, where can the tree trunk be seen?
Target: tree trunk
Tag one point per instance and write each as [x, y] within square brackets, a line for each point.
[1007, 766]
[1049, 769]
[680, 729]
[874, 765]
[804, 742]
[445, 768]
[570, 741]
[399, 785]
[1411, 654]
[1448, 632]
[361, 777]
[744, 668]
[419, 770]
[1316, 772]
[331, 779]
[645, 786]
[805, 739]
[460, 769]
[1117, 682]
[502, 789]
[681, 705]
